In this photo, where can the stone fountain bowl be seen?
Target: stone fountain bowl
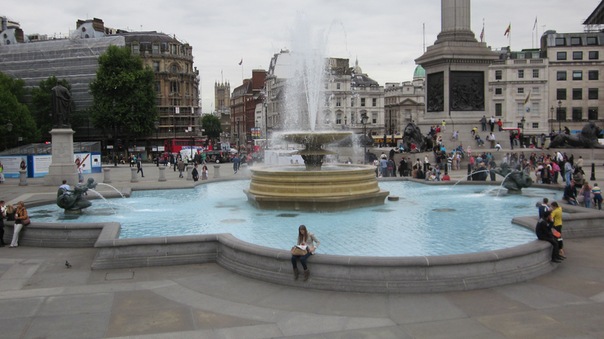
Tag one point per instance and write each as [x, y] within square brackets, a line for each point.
[316, 138]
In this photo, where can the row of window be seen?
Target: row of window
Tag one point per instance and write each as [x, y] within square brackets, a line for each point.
[577, 112]
[577, 41]
[577, 94]
[578, 55]
[339, 102]
[578, 75]
[499, 74]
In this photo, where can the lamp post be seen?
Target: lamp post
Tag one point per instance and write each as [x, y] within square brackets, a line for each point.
[522, 121]
[364, 119]
[559, 117]
[551, 121]
[265, 125]
[156, 124]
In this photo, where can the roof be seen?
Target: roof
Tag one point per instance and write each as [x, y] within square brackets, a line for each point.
[597, 16]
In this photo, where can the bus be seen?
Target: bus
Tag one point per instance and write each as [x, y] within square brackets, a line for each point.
[176, 145]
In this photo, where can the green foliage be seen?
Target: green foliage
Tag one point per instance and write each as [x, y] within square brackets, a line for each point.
[13, 109]
[41, 104]
[211, 125]
[123, 94]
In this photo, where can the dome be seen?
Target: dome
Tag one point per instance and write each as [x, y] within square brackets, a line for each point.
[419, 72]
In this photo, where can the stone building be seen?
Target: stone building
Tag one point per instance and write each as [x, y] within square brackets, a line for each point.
[222, 104]
[404, 102]
[244, 100]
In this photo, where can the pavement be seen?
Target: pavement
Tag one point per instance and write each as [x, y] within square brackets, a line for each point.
[40, 297]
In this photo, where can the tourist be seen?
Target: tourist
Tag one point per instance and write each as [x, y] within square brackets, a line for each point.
[2, 216]
[1, 173]
[195, 173]
[181, 167]
[557, 221]
[597, 193]
[21, 219]
[585, 193]
[570, 193]
[383, 165]
[446, 177]
[81, 173]
[139, 166]
[204, 172]
[543, 207]
[236, 163]
[568, 172]
[306, 241]
[544, 232]
[483, 123]
[65, 186]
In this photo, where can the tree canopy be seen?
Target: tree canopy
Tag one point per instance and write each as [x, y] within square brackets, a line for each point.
[14, 110]
[123, 94]
[211, 125]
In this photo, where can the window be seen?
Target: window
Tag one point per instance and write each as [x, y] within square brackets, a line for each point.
[339, 119]
[520, 74]
[575, 41]
[535, 125]
[577, 55]
[175, 68]
[156, 66]
[337, 85]
[561, 94]
[338, 102]
[592, 113]
[594, 55]
[351, 102]
[577, 75]
[363, 102]
[520, 90]
[592, 93]
[155, 49]
[136, 49]
[535, 73]
[374, 102]
[520, 108]
[158, 87]
[592, 40]
[498, 75]
[577, 113]
[561, 114]
[561, 56]
[498, 91]
[561, 75]
[577, 94]
[174, 87]
[593, 75]
[498, 110]
[560, 42]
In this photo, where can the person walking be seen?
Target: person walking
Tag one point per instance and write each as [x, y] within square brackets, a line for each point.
[139, 166]
[195, 173]
[181, 167]
[597, 192]
[2, 216]
[236, 163]
[307, 243]
[21, 220]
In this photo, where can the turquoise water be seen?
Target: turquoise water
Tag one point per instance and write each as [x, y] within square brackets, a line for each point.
[427, 220]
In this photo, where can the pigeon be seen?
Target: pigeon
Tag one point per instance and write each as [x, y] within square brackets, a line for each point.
[67, 264]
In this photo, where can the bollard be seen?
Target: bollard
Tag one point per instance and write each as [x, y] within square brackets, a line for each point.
[107, 175]
[162, 174]
[133, 175]
[469, 172]
[216, 171]
[189, 175]
[22, 178]
[593, 172]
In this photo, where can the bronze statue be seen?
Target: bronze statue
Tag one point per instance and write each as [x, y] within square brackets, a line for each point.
[61, 106]
[513, 180]
[588, 138]
[72, 200]
[413, 135]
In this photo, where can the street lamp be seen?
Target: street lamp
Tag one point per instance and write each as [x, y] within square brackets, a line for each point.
[551, 111]
[156, 124]
[364, 119]
[559, 115]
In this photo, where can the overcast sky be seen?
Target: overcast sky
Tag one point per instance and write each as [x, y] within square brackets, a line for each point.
[385, 35]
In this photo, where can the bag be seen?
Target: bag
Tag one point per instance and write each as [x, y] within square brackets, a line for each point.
[556, 233]
[297, 251]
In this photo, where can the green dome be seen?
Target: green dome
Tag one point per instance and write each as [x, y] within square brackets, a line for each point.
[419, 72]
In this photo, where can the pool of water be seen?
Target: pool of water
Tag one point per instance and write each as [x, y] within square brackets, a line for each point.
[427, 220]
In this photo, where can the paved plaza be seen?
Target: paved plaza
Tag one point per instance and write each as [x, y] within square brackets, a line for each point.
[41, 298]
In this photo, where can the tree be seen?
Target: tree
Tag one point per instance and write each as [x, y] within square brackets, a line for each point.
[41, 104]
[123, 95]
[13, 110]
[211, 125]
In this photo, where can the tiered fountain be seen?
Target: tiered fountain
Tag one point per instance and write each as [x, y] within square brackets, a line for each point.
[314, 186]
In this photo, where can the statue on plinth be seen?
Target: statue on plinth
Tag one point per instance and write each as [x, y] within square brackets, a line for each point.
[61, 106]
[73, 200]
[588, 138]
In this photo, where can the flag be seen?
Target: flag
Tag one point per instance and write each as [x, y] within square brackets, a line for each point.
[527, 98]
[508, 30]
[241, 62]
[535, 24]
[482, 35]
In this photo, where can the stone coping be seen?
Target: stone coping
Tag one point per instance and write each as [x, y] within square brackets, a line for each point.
[417, 274]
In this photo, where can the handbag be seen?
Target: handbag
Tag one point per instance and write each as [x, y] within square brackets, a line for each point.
[297, 251]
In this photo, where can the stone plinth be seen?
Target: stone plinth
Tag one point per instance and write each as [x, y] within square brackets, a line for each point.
[62, 166]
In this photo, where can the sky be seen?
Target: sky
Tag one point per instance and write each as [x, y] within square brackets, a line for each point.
[385, 36]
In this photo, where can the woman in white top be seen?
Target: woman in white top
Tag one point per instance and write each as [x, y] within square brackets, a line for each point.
[308, 241]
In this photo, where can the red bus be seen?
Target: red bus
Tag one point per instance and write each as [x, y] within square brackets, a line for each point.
[176, 145]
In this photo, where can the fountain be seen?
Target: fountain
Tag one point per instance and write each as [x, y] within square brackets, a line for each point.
[72, 201]
[317, 187]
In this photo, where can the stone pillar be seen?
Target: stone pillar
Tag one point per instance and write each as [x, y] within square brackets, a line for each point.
[189, 175]
[162, 174]
[216, 171]
[133, 175]
[62, 166]
[106, 175]
[22, 177]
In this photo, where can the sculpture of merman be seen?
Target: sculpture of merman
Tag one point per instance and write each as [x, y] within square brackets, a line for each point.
[72, 200]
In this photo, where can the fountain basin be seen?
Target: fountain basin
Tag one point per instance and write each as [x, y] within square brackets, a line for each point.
[333, 188]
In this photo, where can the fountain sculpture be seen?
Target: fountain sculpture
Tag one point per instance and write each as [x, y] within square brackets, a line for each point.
[72, 201]
[316, 187]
